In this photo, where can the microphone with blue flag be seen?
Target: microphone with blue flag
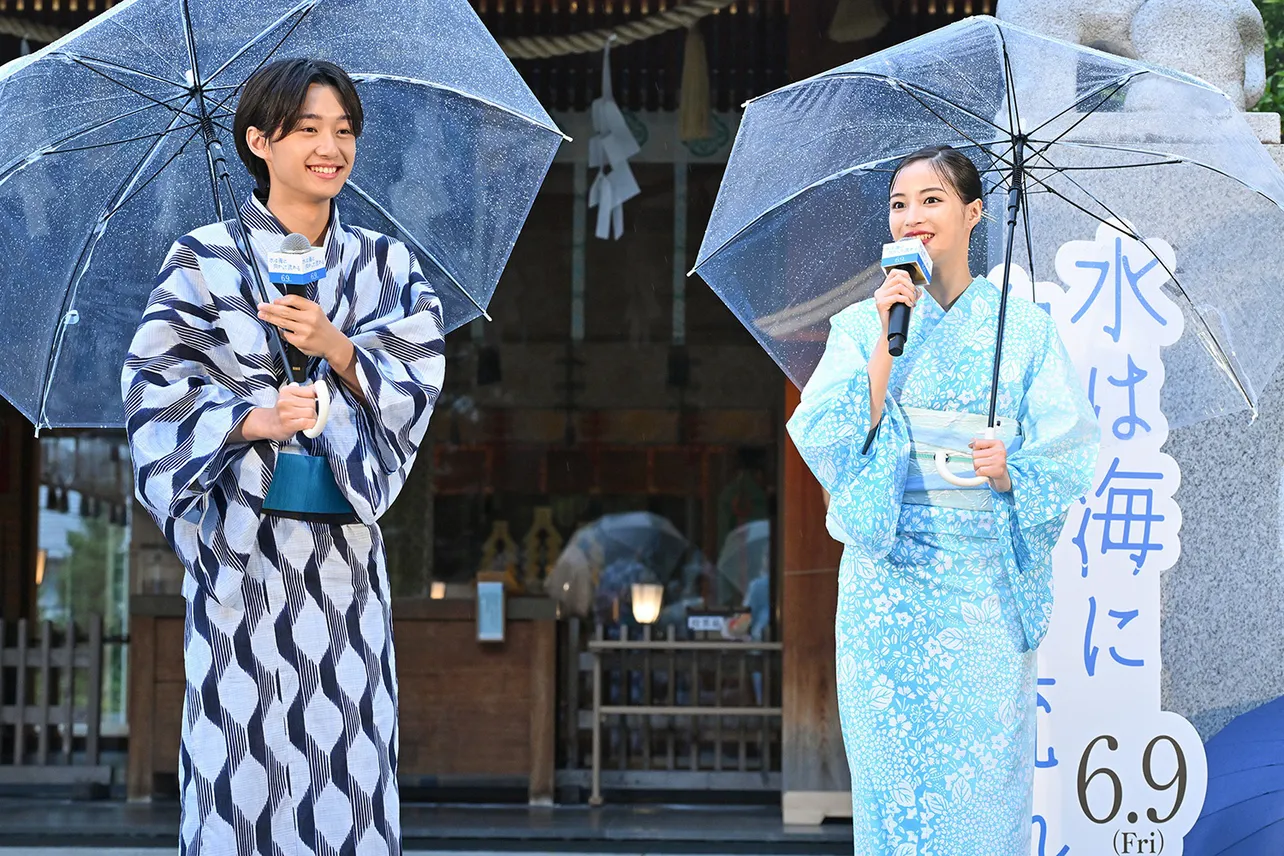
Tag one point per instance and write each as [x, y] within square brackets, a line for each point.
[907, 254]
[293, 268]
[303, 485]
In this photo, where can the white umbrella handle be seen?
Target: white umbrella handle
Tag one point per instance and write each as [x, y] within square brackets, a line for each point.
[323, 410]
[946, 473]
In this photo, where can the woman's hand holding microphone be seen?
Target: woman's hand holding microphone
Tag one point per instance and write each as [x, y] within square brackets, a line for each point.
[896, 288]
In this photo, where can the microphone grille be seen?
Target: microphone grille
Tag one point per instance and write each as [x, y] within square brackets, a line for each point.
[295, 243]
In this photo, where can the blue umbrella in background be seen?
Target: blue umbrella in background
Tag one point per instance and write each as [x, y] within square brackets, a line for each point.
[1243, 811]
[111, 151]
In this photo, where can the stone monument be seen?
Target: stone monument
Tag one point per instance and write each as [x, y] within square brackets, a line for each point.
[1221, 601]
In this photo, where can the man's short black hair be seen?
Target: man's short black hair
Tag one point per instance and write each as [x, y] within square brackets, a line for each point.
[273, 97]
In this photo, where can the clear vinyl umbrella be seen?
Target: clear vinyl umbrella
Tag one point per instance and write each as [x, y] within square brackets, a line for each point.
[1065, 137]
[745, 556]
[111, 151]
[602, 559]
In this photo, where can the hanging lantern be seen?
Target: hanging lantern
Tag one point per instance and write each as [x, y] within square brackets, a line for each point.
[647, 598]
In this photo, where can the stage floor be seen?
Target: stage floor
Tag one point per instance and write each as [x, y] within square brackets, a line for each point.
[55, 827]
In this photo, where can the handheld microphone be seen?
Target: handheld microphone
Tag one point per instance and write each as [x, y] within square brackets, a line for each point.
[907, 254]
[295, 266]
[303, 486]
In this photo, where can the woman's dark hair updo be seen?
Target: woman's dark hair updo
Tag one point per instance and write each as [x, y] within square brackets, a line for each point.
[954, 166]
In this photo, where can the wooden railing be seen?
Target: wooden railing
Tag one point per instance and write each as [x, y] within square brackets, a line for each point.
[670, 714]
[51, 704]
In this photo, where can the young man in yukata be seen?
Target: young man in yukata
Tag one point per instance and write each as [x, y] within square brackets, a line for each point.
[289, 734]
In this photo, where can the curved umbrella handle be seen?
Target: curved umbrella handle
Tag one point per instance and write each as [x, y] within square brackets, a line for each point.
[942, 468]
[323, 410]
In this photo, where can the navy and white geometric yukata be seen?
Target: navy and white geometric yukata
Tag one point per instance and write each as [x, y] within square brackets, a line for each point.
[289, 735]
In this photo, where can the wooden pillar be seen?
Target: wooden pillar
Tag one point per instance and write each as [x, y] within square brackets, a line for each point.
[543, 712]
[142, 707]
[19, 514]
[156, 680]
[815, 783]
[814, 779]
[156, 692]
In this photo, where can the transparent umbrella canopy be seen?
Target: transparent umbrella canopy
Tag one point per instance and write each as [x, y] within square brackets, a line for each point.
[112, 150]
[1065, 137]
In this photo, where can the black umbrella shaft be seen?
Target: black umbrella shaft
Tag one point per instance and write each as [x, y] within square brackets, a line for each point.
[1014, 208]
[240, 235]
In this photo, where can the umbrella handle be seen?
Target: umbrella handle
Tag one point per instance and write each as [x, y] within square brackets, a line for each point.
[942, 468]
[323, 409]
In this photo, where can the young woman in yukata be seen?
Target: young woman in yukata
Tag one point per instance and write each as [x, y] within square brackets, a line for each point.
[289, 733]
[944, 591]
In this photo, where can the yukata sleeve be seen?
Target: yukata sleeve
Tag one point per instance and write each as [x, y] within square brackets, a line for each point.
[1051, 470]
[400, 360]
[862, 467]
[183, 399]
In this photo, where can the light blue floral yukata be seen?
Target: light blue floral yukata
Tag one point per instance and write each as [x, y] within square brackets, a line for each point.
[944, 593]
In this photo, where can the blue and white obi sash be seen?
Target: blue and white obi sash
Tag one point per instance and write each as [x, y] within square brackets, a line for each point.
[941, 430]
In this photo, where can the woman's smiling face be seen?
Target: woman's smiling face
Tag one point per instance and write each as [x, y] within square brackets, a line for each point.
[922, 204]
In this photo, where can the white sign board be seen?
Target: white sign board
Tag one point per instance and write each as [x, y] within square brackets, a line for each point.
[1115, 774]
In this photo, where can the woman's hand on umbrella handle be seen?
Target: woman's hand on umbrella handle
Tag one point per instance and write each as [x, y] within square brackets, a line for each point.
[896, 288]
[944, 471]
[990, 459]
